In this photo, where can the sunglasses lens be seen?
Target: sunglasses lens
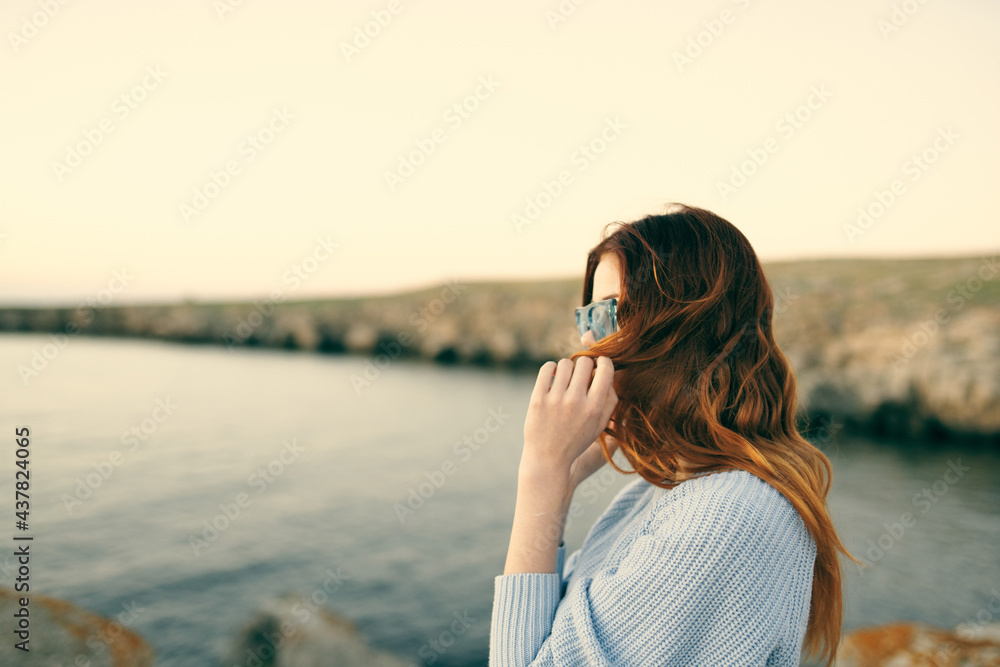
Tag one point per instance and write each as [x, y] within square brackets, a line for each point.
[597, 317]
[600, 322]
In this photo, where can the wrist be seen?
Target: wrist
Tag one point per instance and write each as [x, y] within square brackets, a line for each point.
[539, 519]
[534, 469]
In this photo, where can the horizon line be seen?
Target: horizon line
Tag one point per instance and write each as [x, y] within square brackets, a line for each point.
[72, 302]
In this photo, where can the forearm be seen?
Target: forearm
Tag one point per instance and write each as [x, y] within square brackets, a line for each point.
[540, 512]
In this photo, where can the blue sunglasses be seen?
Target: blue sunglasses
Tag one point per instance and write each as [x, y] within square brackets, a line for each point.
[600, 317]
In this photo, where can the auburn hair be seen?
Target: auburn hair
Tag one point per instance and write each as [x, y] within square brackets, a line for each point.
[703, 387]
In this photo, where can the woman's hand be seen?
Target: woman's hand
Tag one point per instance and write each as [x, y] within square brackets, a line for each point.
[566, 413]
[570, 406]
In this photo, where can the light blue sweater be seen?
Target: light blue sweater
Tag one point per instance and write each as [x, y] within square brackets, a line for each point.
[717, 571]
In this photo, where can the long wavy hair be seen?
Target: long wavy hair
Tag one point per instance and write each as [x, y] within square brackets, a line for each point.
[703, 387]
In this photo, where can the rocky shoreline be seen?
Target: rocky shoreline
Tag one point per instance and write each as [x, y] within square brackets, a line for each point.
[901, 348]
[278, 636]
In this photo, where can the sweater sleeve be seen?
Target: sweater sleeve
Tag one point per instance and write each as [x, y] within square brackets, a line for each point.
[523, 607]
[720, 580]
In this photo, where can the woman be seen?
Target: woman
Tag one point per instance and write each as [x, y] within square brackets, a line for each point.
[722, 551]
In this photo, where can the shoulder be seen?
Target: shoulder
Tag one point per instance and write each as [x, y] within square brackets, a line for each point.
[734, 505]
[736, 490]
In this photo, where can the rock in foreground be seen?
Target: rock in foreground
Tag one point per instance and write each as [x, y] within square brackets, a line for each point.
[63, 634]
[916, 645]
[279, 637]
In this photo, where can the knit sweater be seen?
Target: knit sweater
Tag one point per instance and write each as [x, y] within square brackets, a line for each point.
[715, 572]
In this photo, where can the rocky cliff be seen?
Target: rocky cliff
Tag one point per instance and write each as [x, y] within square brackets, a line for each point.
[893, 347]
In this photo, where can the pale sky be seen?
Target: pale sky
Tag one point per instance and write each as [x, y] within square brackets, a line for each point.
[116, 111]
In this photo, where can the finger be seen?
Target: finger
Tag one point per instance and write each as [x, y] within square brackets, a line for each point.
[544, 379]
[581, 375]
[610, 402]
[564, 370]
[603, 378]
